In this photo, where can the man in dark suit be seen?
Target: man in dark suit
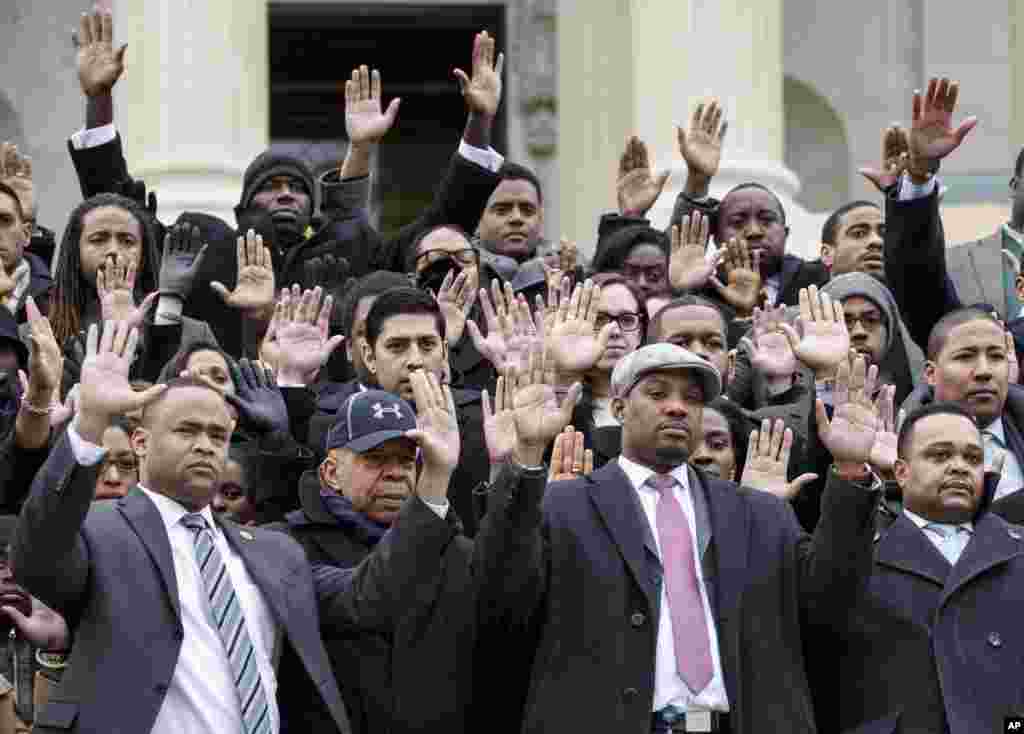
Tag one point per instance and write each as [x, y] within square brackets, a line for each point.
[348, 506]
[652, 597]
[935, 645]
[227, 616]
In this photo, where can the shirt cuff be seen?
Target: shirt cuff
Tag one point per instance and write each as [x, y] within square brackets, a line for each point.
[168, 311]
[86, 453]
[440, 509]
[93, 137]
[490, 159]
[909, 190]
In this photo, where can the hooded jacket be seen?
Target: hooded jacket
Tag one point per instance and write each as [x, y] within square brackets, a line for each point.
[903, 361]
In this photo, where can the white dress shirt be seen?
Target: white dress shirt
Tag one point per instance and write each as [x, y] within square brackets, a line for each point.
[669, 688]
[1011, 479]
[202, 697]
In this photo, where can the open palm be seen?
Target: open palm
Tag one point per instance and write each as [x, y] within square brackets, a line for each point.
[99, 64]
[482, 91]
[932, 135]
[365, 122]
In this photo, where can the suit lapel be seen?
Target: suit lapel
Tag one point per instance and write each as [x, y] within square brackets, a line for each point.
[790, 267]
[615, 499]
[266, 570]
[992, 544]
[730, 526]
[905, 547]
[145, 520]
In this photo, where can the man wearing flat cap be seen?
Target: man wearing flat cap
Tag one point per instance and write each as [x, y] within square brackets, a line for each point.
[652, 597]
[347, 506]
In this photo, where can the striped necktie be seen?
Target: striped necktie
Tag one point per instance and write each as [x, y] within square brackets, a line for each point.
[689, 627]
[226, 613]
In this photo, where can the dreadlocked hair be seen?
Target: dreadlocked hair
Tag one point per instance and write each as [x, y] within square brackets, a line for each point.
[72, 291]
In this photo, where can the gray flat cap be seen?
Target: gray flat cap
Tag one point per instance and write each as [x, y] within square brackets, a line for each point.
[659, 358]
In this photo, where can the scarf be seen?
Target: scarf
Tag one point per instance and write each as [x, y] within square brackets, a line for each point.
[365, 529]
[22, 277]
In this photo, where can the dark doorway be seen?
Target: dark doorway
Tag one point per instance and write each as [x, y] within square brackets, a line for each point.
[313, 49]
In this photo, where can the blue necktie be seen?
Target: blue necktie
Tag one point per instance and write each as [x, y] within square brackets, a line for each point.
[226, 613]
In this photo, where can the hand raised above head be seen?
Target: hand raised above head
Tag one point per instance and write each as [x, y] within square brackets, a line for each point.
[825, 342]
[637, 187]
[688, 267]
[365, 123]
[573, 341]
[298, 341]
[932, 136]
[539, 414]
[701, 146]
[482, 91]
[895, 158]
[100, 65]
[104, 387]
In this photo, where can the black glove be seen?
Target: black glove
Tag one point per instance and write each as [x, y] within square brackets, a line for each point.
[258, 400]
[183, 257]
[329, 273]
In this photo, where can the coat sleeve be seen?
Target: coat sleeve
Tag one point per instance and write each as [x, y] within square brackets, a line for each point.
[48, 553]
[402, 573]
[18, 467]
[915, 264]
[103, 169]
[835, 562]
[460, 200]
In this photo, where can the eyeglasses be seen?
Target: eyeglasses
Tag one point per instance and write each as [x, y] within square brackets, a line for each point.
[124, 466]
[468, 256]
[627, 321]
[870, 321]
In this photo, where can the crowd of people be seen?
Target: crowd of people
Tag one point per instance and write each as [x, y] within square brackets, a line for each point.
[298, 475]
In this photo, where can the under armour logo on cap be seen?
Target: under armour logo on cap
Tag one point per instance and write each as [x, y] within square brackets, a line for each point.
[369, 418]
[379, 411]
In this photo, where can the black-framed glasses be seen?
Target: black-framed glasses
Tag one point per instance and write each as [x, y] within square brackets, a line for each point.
[124, 466]
[467, 256]
[627, 321]
[870, 321]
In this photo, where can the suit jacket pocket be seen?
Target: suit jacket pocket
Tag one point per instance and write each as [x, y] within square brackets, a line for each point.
[57, 714]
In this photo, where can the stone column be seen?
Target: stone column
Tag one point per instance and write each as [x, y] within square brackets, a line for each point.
[640, 67]
[193, 105]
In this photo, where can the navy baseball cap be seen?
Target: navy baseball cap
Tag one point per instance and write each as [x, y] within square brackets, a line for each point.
[369, 418]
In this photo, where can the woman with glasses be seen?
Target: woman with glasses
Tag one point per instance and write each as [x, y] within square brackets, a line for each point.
[119, 470]
[621, 303]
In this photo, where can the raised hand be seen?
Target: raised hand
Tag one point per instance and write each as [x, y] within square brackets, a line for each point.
[688, 268]
[16, 172]
[539, 415]
[768, 461]
[637, 186]
[437, 425]
[298, 341]
[99, 64]
[104, 388]
[569, 460]
[500, 420]
[825, 342]
[895, 157]
[883, 452]
[328, 272]
[567, 255]
[573, 340]
[257, 399]
[115, 286]
[456, 298]
[932, 136]
[254, 289]
[365, 123]
[62, 411]
[743, 274]
[44, 628]
[510, 327]
[851, 434]
[46, 361]
[701, 147]
[482, 91]
[183, 257]
[773, 356]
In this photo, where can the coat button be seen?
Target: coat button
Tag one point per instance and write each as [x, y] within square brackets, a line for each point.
[630, 693]
[637, 619]
[1015, 534]
[994, 639]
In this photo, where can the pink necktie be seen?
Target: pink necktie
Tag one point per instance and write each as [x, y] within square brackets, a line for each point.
[689, 627]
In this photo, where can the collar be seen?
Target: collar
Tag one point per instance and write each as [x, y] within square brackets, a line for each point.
[172, 511]
[1013, 234]
[996, 429]
[638, 474]
[921, 522]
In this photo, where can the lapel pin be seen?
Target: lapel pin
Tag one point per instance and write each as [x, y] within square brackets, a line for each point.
[246, 535]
